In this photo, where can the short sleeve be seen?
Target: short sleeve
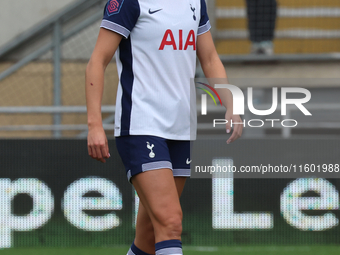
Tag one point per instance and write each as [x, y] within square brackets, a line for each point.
[121, 16]
[204, 25]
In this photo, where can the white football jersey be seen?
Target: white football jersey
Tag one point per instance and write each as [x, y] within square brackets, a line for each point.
[156, 61]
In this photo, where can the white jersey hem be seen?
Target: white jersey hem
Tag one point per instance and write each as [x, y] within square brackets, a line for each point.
[162, 135]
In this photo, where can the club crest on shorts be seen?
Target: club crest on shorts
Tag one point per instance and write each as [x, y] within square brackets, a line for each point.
[113, 6]
[151, 154]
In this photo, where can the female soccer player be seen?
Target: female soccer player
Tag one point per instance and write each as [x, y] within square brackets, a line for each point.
[156, 43]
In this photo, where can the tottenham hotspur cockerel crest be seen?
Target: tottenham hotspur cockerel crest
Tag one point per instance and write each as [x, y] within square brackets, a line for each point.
[150, 147]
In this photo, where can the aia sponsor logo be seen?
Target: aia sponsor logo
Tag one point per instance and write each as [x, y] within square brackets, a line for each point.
[183, 43]
[114, 6]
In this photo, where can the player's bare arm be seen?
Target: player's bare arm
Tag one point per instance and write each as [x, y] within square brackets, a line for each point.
[104, 50]
[213, 68]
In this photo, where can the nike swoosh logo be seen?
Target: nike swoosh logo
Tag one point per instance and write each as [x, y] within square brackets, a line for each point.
[188, 162]
[152, 12]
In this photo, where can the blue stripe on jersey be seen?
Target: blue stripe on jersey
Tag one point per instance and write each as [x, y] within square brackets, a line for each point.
[126, 81]
[126, 16]
[204, 14]
[203, 29]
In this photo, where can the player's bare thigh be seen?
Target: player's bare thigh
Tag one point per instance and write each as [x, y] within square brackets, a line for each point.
[158, 193]
[145, 238]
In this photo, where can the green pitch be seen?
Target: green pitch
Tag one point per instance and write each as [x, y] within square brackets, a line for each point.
[188, 250]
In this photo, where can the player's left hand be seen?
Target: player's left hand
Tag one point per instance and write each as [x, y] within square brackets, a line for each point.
[237, 128]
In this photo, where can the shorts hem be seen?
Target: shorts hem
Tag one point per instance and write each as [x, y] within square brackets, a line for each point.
[156, 165]
[182, 172]
[149, 167]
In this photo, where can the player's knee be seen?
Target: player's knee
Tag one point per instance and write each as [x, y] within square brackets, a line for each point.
[173, 225]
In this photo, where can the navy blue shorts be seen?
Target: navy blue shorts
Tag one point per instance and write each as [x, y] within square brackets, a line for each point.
[141, 153]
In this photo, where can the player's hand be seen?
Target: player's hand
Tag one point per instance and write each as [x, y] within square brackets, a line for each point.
[237, 128]
[97, 144]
